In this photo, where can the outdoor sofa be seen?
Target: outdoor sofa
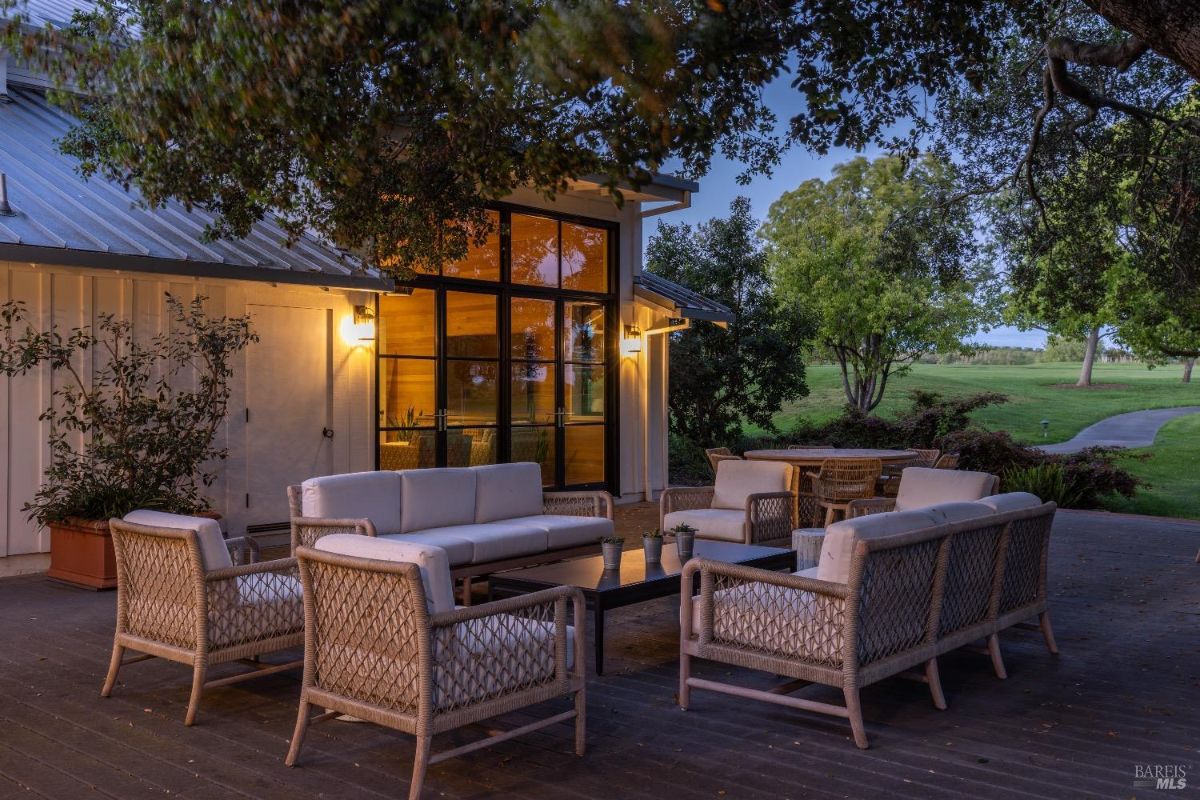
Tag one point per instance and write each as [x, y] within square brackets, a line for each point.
[892, 591]
[750, 502]
[486, 518]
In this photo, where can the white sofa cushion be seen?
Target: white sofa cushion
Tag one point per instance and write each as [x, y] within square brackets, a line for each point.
[436, 498]
[435, 567]
[505, 491]
[921, 487]
[737, 480]
[354, 495]
[958, 512]
[459, 551]
[723, 524]
[1012, 501]
[837, 550]
[567, 531]
[492, 541]
[213, 552]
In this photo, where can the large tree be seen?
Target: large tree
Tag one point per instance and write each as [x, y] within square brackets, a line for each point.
[722, 377]
[881, 264]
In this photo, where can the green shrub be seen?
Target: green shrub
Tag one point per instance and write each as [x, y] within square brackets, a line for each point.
[1048, 481]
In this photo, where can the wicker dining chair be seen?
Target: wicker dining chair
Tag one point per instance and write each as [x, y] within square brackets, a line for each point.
[947, 461]
[180, 598]
[889, 481]
[716, 455]
[384, 643]
[840, 481]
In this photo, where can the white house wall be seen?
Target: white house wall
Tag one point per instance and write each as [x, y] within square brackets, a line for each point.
[69, 298]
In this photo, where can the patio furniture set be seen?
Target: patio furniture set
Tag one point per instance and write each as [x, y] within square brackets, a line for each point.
[369, 592]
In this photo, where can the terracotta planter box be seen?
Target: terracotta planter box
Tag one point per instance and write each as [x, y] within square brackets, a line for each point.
[81, 554]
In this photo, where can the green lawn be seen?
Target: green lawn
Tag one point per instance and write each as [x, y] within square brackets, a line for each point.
[1032, 392]
[1171, 472]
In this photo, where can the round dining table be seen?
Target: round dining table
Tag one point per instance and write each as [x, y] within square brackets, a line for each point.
[813, 457]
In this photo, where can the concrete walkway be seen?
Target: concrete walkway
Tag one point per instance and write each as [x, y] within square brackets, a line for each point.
[1134, 429]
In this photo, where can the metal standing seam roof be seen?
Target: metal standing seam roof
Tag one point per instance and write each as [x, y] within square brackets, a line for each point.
[685, 302]
[61, 218]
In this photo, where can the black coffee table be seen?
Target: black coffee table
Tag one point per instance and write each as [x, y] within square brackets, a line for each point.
[635, 582]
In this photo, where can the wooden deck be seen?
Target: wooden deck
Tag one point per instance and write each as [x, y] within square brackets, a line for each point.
[1125, 691]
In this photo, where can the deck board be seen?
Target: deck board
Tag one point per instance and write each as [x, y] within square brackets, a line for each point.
[1125, 595]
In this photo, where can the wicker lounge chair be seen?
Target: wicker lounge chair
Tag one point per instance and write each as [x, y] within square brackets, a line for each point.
[920, 487]
[841, 480]
[750, 502]
[889, 481]
[179, 597]
[384, 643]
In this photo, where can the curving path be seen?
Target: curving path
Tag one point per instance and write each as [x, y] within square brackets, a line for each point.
[1133, 429]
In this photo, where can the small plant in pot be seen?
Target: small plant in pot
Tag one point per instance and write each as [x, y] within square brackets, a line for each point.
[685, 541]
[610, 549]
[133, 421]
[652, 546]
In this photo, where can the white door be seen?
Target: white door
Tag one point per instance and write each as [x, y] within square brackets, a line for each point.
[289, 397]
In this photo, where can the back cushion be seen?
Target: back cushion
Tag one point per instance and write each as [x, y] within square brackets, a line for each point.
[213, 552]
[737, 480]
[837, 550]
[355, 495]
[921, 487]
[1012, 501]
[435, 498]
[959, 512]
[507, 491]
[435, 566]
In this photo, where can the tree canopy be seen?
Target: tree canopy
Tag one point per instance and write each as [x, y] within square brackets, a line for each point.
[720, 378]
[884, 269]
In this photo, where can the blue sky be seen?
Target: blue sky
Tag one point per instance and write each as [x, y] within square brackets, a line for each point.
[719, 187]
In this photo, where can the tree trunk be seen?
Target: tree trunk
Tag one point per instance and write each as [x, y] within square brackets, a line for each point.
[1170, 27]
[1188, 363]
[1089, 357]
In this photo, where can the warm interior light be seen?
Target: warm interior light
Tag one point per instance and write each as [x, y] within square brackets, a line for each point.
[632, 341]
[361, 327]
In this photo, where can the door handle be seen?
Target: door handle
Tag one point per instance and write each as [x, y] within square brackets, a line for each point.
[327, 433]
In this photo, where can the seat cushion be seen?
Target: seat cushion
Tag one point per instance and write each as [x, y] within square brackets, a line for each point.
[921, 487]
[354, 495]
[737, 480]
[837, 550]
[723, 524]
[1012, 501]
[959, 512]
[436, 498]
[435, 567]
[459, 551]
[213, 552]
[774, 620]
[492, 541]
[505, 491]
[567, 531]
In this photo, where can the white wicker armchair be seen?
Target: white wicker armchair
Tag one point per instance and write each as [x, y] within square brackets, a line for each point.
[750, 503]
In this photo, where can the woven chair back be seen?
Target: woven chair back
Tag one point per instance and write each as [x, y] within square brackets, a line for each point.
[718, 454]
[925, 458]
[947, 461]
[158, 574]
[847, 478]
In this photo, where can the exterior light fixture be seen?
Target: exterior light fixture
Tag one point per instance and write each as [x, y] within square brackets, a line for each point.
[1045, 427]
[362, 329]
[632, 343]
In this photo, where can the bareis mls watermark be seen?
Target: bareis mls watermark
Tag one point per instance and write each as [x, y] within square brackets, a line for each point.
[1160, 776]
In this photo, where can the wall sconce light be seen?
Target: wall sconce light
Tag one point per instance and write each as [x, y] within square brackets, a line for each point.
[362, 329]
[632, 343]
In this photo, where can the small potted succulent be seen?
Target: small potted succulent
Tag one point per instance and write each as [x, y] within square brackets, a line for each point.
[610, 548]
[685, 540]
[652, 546]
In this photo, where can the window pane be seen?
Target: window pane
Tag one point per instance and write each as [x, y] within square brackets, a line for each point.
[470, 447]
[584, 333]
[536, 445]
[406, 324]
[471, 392]
[406, 449]
[481, 262]
[584, 454]
[584, 392]
[406, 397]
[532, 329]
[532, 392]
[534, 250]
[471, 325]
[584, 258]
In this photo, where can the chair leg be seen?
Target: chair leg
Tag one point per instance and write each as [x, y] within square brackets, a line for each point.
[580, 722]
[854, 709]
[114, 666]
[685, 672]
[1048, 632]
[993, 644]
[935, 684]
[298, 734]
[829, 515]
[466, 590]
[419, 767]
[198, 673]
